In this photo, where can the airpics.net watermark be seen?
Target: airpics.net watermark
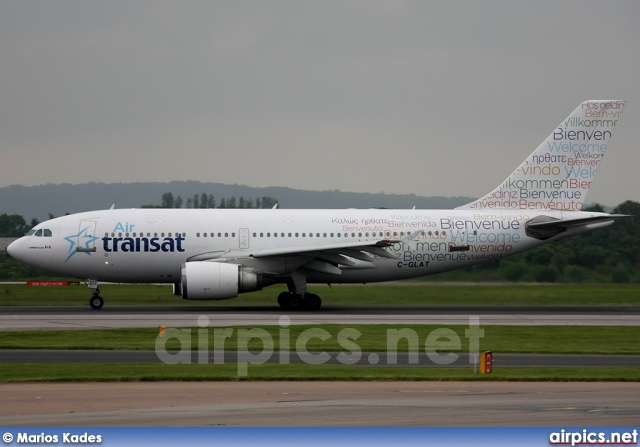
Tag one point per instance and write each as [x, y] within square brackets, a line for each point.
[439, 345]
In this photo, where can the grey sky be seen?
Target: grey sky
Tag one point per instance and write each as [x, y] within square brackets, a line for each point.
[431, 98]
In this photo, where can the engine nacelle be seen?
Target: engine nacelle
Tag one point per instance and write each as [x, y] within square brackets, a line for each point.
[217, 281]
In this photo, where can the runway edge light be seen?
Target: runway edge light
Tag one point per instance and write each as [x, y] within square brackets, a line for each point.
[486, 362]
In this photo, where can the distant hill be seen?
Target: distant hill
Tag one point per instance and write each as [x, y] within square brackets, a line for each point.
[38, 201]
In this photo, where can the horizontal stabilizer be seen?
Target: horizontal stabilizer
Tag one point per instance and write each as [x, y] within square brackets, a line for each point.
[545, 227]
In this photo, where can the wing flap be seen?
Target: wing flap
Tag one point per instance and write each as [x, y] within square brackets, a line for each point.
[319, 258]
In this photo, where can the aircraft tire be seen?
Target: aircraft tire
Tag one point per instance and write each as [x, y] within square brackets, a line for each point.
[284, 300]
[312, 302]
[96, 302]
[295, 301]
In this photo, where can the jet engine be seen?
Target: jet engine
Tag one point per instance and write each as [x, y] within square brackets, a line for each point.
[218, 281]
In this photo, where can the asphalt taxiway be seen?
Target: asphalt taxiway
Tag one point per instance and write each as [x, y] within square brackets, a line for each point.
[581, 404]
[380, 359]
[82, 317]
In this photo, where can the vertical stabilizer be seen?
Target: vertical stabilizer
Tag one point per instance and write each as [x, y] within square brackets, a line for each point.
[558, 174]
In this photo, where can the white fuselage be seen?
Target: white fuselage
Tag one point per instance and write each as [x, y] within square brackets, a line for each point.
[151, 245]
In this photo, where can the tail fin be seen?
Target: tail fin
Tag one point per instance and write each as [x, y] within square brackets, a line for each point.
[558, 174]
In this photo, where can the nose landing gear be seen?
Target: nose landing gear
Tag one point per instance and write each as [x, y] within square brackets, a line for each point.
[96, 302]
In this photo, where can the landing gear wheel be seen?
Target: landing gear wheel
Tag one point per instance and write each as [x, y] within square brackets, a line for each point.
[295, 301]
[283, 300]
[96, 302]
[312, 301]
[290, 301]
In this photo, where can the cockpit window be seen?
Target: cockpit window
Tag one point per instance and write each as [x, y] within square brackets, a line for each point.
[40, 233]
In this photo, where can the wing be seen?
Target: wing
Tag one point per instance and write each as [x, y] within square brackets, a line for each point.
[331, 258]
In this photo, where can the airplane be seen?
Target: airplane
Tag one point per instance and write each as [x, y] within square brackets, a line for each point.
[217, 254]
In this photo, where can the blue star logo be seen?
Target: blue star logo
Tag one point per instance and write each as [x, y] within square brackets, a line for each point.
[82, 234]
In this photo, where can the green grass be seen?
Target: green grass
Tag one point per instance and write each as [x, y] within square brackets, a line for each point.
[405, 293]
[500, 339]
[128, 372]
[504, 339]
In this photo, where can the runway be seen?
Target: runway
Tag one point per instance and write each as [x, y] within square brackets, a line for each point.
[359, 404]
[81, 317]
[318, 403]
[379, 359]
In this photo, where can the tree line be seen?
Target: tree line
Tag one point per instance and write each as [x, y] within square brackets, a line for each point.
[610, 254]
[205, 201]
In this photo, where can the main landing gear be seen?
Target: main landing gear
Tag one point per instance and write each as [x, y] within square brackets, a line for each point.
[295, 301]
[96, 302]
[297, 298]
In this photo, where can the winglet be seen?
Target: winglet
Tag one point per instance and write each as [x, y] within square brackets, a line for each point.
[558, 174]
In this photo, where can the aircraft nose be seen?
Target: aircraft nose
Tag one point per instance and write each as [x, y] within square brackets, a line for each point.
[14, 249]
